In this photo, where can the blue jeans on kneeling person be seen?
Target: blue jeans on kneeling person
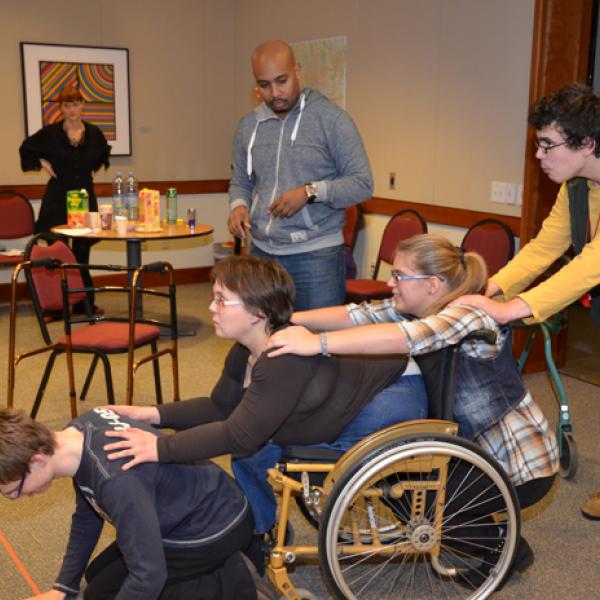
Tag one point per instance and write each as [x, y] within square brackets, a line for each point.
[403, 400]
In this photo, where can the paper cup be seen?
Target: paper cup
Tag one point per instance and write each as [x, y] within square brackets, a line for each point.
[92, 220]
[106, 216]
[121, 225]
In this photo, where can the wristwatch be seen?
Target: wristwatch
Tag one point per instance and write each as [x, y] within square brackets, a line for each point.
[310, 189]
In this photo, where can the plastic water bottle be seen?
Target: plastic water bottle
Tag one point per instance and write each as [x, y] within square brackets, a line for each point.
[131, 193]
[118, 194]
[171, 206]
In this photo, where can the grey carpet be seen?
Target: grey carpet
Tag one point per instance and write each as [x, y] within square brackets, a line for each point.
[567, 547]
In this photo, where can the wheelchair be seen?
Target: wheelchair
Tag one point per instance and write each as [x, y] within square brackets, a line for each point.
[412, 511]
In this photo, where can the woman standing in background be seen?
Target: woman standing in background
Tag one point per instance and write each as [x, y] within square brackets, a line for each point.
[70, 151]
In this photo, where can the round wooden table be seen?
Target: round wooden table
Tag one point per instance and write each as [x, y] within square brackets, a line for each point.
[134, 239]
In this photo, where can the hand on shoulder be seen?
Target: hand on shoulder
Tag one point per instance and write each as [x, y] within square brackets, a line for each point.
[501, 312]
[294, 340]
[138, 445]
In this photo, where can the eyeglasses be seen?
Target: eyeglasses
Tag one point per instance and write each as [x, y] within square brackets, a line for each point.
[18, 491]
[547, 147]
[220, 302]
[398, 276]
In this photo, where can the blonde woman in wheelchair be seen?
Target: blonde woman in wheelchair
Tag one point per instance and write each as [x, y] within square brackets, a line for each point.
[492, 406]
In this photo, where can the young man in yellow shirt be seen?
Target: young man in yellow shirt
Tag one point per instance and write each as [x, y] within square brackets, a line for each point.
[568, 148]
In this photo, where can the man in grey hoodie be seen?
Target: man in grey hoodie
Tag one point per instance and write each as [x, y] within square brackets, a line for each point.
[298, 162]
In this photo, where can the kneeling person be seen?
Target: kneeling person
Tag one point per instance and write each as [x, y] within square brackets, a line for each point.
[179, 528]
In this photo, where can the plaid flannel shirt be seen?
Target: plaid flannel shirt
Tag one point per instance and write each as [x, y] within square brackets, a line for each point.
[522, 441]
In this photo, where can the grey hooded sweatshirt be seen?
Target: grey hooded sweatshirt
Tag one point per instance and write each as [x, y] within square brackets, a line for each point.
[316, 142]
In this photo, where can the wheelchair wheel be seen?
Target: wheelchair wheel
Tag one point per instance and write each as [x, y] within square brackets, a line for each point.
[569, 456]
[420, 517]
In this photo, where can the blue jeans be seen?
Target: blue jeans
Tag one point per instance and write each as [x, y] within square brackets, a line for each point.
[319, 276]
[403, 400]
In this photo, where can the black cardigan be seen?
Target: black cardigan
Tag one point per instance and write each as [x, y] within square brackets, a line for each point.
[73, 166]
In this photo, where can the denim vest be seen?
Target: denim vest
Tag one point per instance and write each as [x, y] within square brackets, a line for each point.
[486, 389]
[580, 214]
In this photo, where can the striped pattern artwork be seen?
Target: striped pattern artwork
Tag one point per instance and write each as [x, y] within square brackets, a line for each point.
[96, 83]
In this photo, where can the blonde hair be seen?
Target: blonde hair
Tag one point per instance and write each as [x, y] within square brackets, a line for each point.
[463, 272]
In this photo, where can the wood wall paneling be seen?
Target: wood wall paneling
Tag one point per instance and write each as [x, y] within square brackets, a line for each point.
[207, 186]
[560, 55]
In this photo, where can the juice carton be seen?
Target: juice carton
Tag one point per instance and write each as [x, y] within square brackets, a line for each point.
[149, 208]
[77, 207]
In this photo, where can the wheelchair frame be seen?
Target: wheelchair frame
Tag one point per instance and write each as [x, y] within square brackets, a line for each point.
[381, 513]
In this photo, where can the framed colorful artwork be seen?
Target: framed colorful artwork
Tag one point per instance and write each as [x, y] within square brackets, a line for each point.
[102, 76]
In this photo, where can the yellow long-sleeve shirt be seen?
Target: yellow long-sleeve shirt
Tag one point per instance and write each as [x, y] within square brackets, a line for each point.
[554, 238]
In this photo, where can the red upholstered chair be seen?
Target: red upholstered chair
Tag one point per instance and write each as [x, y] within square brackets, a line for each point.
[55, 283]
[402, 225]
[16, 221]
[494, 240]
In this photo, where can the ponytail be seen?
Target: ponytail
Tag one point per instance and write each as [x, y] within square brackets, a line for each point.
[463, 272]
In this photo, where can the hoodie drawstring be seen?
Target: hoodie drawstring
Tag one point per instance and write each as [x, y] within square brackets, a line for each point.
[297, 124]
[249, 155]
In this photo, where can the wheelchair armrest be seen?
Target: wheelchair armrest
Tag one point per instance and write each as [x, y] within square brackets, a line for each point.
[310, 454]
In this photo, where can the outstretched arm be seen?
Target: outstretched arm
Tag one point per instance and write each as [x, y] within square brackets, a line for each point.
[384, 338]
[324, 319]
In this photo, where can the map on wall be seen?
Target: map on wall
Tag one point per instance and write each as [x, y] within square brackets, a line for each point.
[323, 64]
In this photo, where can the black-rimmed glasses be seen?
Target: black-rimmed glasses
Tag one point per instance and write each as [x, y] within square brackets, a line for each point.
[16, 493]
[547, 147]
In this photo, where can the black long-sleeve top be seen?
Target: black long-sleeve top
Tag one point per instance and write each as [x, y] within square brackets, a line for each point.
[291, 400]
[73, 165]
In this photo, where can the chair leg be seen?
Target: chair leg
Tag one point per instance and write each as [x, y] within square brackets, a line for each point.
[108, 376]
[156, 368]
[175, 369]
[71, 375]
[43, 383]
[88, 379]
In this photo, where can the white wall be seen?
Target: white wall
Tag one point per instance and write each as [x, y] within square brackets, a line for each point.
[181, 87]
[438, 88]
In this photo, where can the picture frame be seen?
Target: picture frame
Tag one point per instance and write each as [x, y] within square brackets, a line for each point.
[102, 76]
